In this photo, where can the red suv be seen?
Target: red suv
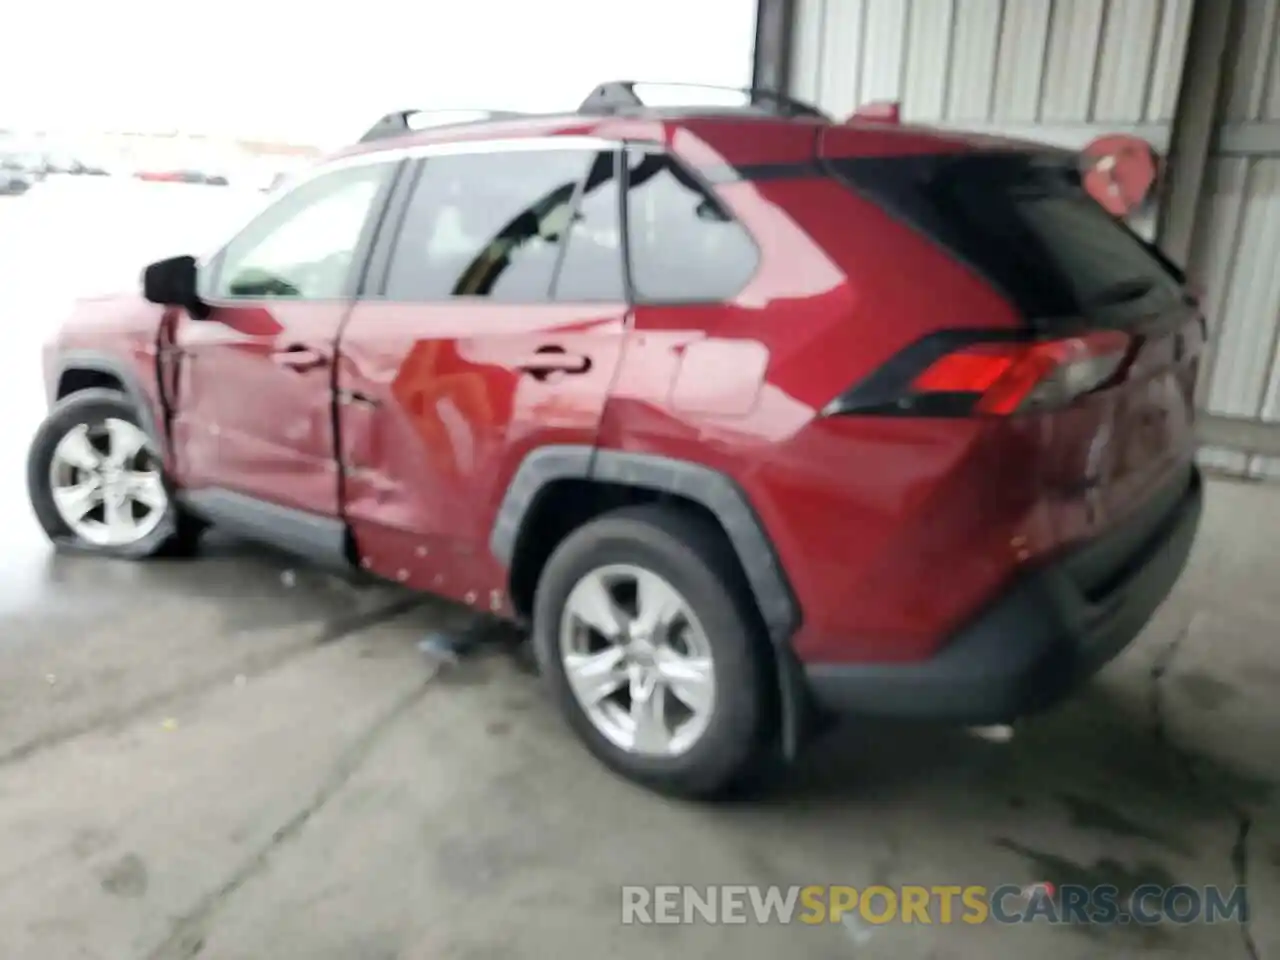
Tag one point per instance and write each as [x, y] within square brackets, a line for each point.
[754, 417]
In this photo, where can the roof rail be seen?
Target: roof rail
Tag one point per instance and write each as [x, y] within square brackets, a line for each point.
[400, 122]
[618, 96]
[614, 96]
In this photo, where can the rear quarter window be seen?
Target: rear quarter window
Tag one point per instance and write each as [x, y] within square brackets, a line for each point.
[684, 246]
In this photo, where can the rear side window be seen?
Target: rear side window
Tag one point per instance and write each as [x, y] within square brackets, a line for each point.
[1028, 226]
[486, 225]
[684, 245]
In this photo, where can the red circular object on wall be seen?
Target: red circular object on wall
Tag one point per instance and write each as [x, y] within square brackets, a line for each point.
[1119, 171]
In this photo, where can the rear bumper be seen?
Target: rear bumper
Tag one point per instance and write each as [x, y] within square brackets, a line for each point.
[1037, 643]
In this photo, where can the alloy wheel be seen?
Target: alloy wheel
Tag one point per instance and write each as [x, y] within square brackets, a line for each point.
[638, 661]
[106, 483]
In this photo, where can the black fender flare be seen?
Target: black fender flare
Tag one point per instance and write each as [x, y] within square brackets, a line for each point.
[715, 491]
[92, 361]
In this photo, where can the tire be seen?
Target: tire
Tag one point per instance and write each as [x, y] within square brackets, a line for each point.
[172, 533]
[691, 555]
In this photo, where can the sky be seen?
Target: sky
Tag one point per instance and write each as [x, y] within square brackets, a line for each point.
[322, 72]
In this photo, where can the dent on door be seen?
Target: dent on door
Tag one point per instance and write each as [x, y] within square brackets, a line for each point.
[253, 411]
[434, 421]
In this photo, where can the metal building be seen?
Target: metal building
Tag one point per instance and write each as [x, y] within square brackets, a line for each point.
[1198, 79]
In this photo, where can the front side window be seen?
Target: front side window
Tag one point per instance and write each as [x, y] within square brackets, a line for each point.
[302, 247]
[685, 247]
[486, 225]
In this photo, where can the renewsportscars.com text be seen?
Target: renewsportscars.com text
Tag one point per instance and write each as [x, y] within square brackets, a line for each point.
[940, 904]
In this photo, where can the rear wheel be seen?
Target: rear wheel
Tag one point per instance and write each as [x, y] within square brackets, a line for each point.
[651, 646]
[97, 483]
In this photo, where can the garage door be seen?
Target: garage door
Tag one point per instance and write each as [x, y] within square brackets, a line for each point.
[1237, 240]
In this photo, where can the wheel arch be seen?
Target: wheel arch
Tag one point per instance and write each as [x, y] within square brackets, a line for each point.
[516, 542]
[79, 370]
[719, 495]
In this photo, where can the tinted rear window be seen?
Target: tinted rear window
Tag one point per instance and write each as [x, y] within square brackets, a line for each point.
[1028, 226]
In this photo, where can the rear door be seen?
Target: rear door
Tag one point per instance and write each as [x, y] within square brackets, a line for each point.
[493, 326]
[251, 384]
[1025, 223]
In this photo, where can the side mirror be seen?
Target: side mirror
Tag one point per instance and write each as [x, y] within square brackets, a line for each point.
[172, 283]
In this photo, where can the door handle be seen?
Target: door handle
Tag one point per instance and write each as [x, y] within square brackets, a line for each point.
[356, 398]
[549, 360]
[300, 358]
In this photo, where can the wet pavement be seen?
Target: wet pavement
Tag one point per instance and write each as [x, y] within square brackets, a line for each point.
[237, 757]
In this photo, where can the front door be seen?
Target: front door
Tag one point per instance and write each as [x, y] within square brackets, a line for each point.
[253, 382]
[497, 330]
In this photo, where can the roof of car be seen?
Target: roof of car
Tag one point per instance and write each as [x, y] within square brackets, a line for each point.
[718, 137]
[720, 134]
[611, 100]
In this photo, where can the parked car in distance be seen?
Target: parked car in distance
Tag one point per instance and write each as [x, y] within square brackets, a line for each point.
[753, 417]
[16, 177]
[34, 164]
[13, 183]
[182, 176]
[65, 164]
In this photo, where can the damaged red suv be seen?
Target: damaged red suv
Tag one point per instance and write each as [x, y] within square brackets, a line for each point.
[754, 417]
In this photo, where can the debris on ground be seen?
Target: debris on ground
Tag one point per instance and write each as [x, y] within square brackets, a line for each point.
[445, 646]
[483, 632]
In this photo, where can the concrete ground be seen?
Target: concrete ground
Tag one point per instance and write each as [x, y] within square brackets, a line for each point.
[236, 757]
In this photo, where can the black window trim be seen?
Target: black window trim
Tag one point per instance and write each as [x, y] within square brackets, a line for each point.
[374, 284]
[634, 297]
[617, 153]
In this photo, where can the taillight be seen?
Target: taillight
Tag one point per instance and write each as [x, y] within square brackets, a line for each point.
[995, 377]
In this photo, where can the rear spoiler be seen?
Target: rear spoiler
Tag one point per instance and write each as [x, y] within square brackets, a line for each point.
[1118, 170]
[879, 111]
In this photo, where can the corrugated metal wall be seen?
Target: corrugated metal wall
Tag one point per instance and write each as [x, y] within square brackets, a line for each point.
[1056, 70]
[1236, 254]
[1064, 72]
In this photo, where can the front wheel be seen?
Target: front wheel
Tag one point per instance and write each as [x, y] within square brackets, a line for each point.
[649, 640]
[97, 483]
